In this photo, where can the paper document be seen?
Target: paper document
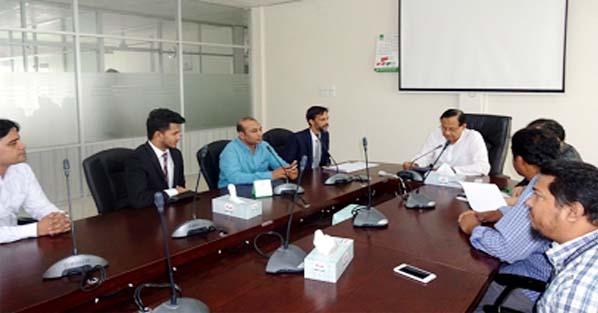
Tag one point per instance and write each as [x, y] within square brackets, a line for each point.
[350, 167]
[483, 197]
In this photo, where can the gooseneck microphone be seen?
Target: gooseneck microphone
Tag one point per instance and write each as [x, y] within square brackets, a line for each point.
[417, 200]
[194, 226]
[337, 178]
[431, 167]
[289, 258]
[175, 304]
[428, 152]
[285, 188]
[368, 216]
[77, 264]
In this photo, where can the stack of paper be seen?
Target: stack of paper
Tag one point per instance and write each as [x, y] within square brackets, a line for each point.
[350, 167]
[483, 197]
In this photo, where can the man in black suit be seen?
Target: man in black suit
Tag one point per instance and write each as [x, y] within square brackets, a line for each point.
[313, 141]
[156, 165]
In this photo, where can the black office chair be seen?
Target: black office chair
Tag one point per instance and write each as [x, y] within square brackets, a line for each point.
[105, 176]
[512, 282]
[210, 163]
[277, 138]
[496, 131]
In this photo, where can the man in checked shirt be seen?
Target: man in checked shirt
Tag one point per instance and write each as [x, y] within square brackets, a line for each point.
[564, 208]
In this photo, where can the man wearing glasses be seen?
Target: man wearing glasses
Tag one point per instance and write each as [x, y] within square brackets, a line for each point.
[455, 145]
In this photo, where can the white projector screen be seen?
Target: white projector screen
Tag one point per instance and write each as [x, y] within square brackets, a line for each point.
[482, 45]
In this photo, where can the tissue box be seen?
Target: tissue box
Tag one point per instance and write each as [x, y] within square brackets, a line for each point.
[248, 209]
[329, 268]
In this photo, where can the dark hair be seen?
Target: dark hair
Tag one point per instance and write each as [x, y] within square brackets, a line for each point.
[549, 125]
[314, 111]
[160, 119]
[454, 112]
[574, 181]
[240, 127]
[6, 126]
[535, 146]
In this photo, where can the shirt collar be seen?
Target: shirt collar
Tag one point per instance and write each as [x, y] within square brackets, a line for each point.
[157, 151]
[314, 137]
[558, 253]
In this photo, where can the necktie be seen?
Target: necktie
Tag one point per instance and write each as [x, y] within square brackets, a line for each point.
[317, 153]
[165, 169]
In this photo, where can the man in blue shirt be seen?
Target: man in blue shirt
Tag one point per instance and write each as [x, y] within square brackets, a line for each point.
[248, 158]
[512, 238]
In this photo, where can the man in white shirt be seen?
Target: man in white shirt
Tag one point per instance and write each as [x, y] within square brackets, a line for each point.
[20, 189]
[455, 145]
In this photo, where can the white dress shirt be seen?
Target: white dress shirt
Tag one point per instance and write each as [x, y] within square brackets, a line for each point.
[170, 165]
[20, 189]
[467, 156]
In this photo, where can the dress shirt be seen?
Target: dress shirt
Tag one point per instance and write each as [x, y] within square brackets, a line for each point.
[171, 191]
[574, 286]
[513, 240]
[467, 156]
[20, 189]
[238, 165]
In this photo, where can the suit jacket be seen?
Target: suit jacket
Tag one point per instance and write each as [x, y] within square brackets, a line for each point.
[301, 144]
[144, 176]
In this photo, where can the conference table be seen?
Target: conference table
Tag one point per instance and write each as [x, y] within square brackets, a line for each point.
[222, 269]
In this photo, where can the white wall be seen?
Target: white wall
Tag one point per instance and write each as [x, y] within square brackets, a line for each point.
[315, 44]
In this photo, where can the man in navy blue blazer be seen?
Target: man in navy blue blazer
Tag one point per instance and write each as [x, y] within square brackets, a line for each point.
[313, 141]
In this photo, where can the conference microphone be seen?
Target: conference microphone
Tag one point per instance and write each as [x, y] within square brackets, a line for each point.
[289, 258]
[195, 226]
[417, 200]
[431, 167]
[337, 178]
[77, 264]
[368, 216]
[285, 188]
[428, 152]
[175, 304]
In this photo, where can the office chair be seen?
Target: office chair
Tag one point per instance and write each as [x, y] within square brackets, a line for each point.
[495, 130]
[512, 282]
[210, 164]
[277, 138]
[105, 176]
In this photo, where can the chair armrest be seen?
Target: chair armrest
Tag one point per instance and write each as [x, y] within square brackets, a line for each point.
[517, 281]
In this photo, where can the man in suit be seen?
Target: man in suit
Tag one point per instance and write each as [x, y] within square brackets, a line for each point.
[313, 141]
[156, 165]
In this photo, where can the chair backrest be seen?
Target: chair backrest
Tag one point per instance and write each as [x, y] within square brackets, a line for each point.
[208, 158]
[105, 176]
[496, 130]
[277, 138]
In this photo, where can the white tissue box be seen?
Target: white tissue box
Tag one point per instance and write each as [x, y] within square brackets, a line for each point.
[329, 268]
[248, 209]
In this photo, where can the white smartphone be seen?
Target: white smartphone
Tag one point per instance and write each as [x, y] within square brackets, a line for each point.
[415, 273]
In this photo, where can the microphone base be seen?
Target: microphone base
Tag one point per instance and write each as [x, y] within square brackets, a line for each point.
[287, 188]
[288, 260]
[193, 227]
[74, 264]
[417, 200]
[371, 218]
[183, 305]
[338, 179]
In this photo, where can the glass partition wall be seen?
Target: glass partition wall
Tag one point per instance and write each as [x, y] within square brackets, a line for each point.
[80, 76]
